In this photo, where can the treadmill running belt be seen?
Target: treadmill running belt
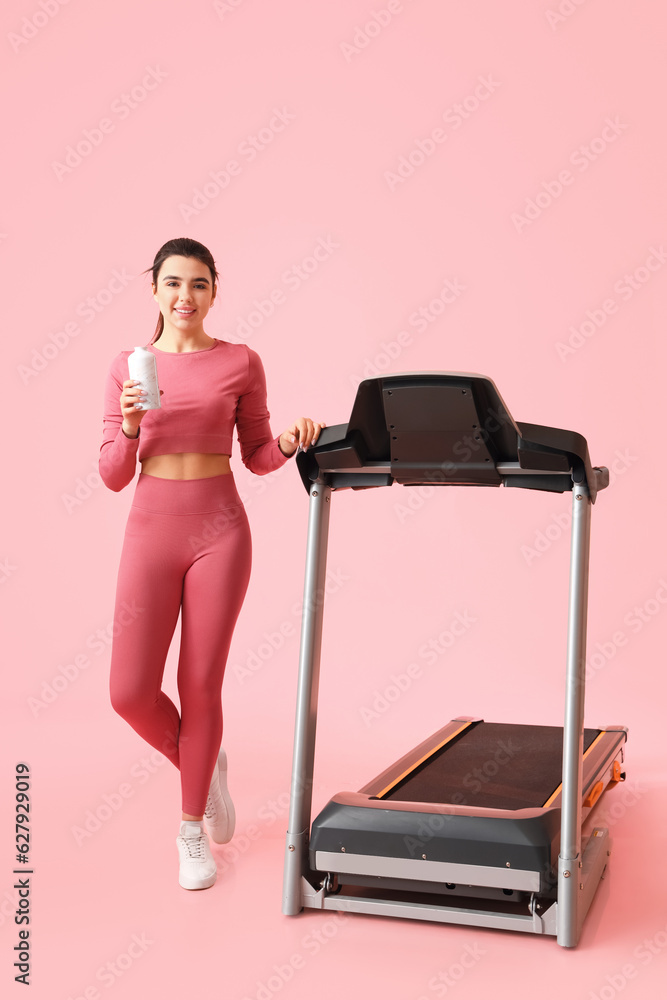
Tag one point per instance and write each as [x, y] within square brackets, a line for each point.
[492, 765]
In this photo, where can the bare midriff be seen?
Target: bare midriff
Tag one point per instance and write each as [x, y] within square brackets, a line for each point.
[186, 465]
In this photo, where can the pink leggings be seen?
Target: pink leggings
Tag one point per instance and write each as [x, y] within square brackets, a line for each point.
[187, 548]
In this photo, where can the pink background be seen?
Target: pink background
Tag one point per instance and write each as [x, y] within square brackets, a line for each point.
[491, 106]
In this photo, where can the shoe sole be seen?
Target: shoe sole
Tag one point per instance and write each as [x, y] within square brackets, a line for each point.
[201, 883]
[229, 805]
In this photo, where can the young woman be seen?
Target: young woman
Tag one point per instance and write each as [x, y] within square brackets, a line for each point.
[187, 546]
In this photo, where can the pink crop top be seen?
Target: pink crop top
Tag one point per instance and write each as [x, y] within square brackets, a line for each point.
[204, 394]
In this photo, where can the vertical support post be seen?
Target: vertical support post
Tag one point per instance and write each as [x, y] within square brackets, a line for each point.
[568, 916]
[298, 830]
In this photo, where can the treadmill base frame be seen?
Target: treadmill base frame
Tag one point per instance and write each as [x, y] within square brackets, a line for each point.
[583, 879]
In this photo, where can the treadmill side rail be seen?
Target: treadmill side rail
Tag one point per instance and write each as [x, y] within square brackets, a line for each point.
[296, 847]
[569, 924]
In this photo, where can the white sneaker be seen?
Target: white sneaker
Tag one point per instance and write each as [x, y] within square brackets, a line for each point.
[198, 868]
[219, 813]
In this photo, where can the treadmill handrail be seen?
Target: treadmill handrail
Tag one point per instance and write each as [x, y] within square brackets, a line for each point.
[444, 428]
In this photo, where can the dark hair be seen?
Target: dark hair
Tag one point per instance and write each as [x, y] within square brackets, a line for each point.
[180, 247]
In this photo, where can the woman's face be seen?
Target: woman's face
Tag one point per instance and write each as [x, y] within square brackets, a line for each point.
[184, 292]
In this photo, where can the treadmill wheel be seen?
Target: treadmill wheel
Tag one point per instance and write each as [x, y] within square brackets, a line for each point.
[331, 884]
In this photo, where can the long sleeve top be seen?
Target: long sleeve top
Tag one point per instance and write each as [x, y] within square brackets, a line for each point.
[205, 393]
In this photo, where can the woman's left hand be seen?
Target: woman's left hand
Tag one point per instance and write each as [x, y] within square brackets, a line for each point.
[303, 431]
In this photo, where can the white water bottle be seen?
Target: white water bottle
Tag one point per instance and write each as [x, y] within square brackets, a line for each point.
[142, 366]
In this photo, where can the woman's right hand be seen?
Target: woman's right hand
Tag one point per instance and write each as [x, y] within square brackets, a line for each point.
[131, 395]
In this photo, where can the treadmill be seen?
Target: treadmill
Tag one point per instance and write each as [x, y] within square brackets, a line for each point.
[481, 823]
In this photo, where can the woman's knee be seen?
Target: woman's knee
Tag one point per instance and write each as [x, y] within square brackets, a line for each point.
[200, 699]
[128, 700]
